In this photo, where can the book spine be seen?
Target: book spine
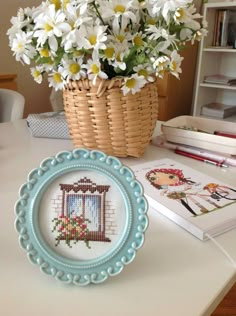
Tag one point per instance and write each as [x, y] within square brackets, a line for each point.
[219, 27]
[215, 28]
[224, 28]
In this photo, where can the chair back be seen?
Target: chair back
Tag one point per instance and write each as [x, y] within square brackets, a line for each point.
[12, 105]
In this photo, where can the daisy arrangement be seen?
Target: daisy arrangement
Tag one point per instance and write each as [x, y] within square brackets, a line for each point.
[132, 40]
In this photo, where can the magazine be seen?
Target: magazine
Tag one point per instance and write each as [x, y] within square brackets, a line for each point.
[198, 203]
[220, 79]
[218, 110]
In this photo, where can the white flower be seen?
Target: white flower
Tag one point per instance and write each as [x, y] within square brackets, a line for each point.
[22, 48]
[175, 63]
[92, 37]
[82, 4]
[55, 80]
[165, 7]
[94, 70]
[146, 71]
[161, 65]
[50, 25]
[36, 72]
[22, 20]
[118, 60]
[73, 69]
[138, 39]
[133, 84]
[131, 39]
[120, 11]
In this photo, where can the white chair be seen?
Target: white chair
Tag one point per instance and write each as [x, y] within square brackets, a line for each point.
[12, 105]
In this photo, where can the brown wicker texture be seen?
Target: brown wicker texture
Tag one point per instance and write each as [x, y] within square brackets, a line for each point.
[101, 117]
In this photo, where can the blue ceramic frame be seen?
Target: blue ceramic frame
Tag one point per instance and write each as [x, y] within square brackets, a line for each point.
[81, 272]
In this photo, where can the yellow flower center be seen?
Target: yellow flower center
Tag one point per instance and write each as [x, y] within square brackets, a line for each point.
[37, 73]
[47, 27]
[44, 52]
[130, 83]
[65, 3]
[120, 38]
[173, 65]
[151, 21]
[57, 77]
[109, 51]
[179, 13]
[74, 68]
[95, 69]
[118, 57]
[119, 8]
[20, 46]
[138, 41]
[143, 72]
[57, 4]
[78, 53]
[93, 39]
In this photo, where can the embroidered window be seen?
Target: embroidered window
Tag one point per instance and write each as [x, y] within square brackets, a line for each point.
[86, 199]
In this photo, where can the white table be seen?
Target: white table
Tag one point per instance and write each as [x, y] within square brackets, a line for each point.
[174, 273]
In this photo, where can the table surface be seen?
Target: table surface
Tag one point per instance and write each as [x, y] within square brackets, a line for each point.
[174, 273]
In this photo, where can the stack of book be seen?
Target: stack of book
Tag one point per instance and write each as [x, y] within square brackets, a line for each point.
[218, 110]
[220, 79]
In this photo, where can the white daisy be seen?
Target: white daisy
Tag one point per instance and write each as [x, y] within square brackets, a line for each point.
[56, 80]
[72, 69]
[119, 11]
[94, 70]
[37, 74]
[92, 37]
[175, 64]
[50, 25]
[22, 47]
[164, 7]
[161, 65]
[133, 84]
[146, 71]
[22, 20]
[118, 61]
[138, 39]
[83, 5]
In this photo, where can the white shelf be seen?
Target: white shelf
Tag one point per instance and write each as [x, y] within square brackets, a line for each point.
[214, 60]
[217, 86]
[220, 50]
[220, 5]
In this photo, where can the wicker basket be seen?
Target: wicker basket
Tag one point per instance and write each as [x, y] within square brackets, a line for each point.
[101, 117]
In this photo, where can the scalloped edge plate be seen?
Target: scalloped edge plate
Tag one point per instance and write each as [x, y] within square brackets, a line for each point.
[28, 210]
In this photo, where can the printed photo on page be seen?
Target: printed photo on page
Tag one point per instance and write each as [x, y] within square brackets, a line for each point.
[188, 193]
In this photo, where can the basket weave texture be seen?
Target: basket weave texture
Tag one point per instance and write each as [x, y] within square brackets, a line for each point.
[101, 117]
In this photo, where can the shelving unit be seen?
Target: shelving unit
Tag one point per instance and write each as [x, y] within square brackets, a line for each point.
[214, 60]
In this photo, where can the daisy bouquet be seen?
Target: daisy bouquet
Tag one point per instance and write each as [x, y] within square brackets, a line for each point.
[132, 40]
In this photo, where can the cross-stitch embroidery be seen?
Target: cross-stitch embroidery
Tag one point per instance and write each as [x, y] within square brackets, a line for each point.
[82, 213]
[71, 229]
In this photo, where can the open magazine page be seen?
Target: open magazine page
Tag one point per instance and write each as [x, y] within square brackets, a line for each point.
[195, 201]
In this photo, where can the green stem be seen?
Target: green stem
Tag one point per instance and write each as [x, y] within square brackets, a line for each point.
[99, 15]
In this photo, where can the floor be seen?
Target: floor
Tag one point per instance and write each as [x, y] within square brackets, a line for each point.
[228, 306]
